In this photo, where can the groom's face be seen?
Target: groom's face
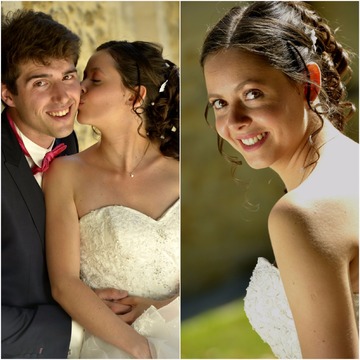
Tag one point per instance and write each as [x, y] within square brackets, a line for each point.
[46, 101]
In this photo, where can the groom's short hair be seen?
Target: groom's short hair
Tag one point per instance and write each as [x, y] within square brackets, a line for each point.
[29, 35]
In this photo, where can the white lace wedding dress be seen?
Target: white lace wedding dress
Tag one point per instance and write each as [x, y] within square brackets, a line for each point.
[269, 313]
[125, 249]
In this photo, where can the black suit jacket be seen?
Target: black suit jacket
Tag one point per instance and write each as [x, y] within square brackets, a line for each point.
[32, 324]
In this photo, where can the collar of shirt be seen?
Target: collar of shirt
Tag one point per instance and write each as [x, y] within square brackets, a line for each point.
[36, 152]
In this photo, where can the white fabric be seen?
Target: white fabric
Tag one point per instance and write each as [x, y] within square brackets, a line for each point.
[126, 249]
[268, 311]
[77, 338]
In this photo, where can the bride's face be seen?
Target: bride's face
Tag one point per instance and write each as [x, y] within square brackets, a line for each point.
[103, 95]
[258, 110]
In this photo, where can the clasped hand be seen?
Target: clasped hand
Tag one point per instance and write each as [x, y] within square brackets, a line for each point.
[127, 307]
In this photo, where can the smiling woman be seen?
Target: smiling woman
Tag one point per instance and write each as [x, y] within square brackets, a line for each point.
[275, 76]
[249, 108]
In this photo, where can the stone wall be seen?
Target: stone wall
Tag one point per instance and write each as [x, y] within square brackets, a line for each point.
[99, 21]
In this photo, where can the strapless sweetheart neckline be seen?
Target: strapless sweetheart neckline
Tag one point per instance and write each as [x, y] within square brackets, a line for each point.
[135, 211]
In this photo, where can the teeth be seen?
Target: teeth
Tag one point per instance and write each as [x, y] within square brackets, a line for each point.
[254, 140]
[60, 113]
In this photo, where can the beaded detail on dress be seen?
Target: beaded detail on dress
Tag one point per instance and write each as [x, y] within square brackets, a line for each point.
[126, 249]
[268, 311]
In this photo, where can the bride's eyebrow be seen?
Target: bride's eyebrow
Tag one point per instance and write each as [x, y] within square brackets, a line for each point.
[253, 81]
[92, 70]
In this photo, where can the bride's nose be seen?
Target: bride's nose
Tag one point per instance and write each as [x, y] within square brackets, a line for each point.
[238, 116]
[83, 88]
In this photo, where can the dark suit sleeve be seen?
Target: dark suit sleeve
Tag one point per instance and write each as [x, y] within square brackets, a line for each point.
[32, 324]
[41, 332]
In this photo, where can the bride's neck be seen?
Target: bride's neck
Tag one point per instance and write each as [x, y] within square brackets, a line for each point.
[124, 153]
[300, 168]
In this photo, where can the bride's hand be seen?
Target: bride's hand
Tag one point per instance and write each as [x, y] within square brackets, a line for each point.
[111, 297]
[139, 305]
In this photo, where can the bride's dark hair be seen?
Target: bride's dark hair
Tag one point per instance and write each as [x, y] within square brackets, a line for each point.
[142, 63]
[288, 35]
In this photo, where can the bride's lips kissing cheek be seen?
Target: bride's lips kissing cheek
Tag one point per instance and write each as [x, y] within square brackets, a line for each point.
[81, 103]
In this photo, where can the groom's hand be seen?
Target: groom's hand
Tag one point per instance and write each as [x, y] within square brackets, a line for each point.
[111, 298]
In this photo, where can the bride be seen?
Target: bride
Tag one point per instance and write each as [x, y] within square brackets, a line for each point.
[113, 210]
[274, 74]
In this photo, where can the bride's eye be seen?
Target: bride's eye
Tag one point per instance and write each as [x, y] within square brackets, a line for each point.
[218, 104]
[253, 94]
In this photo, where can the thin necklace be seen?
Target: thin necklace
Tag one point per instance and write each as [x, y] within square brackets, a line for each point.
[131, 173]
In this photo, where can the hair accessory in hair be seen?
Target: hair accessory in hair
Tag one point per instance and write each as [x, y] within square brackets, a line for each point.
[162, 87]
[313, 39]
[173, 129]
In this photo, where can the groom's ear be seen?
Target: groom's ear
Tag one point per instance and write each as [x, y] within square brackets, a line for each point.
[138, 96]
[6, 96]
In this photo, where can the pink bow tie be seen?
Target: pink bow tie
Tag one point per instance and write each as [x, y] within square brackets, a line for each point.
[49, 157]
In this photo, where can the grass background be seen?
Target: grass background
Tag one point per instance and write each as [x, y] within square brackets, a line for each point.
[222, 333]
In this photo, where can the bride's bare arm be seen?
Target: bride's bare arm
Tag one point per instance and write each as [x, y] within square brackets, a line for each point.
[63, 258]
[112, 298]
[313, 254]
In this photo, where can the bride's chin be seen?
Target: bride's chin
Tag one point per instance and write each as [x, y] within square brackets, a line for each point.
[257, 165]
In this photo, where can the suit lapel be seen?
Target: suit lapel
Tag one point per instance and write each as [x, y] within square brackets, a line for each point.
[18, 168]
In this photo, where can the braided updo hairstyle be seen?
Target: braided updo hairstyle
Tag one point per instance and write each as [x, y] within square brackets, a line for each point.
[289, 35]
[142, 63]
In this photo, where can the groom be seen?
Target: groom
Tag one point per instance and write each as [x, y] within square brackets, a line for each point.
[40, 90]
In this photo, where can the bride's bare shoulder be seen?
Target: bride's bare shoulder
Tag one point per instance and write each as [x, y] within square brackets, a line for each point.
[325, 218]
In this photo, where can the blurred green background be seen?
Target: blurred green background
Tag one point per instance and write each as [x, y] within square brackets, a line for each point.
[224, 224]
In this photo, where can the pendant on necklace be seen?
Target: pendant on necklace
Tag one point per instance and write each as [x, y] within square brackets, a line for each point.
[146, 149]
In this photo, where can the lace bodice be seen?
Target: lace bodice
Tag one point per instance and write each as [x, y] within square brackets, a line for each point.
[123, 248]
[269, 313]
